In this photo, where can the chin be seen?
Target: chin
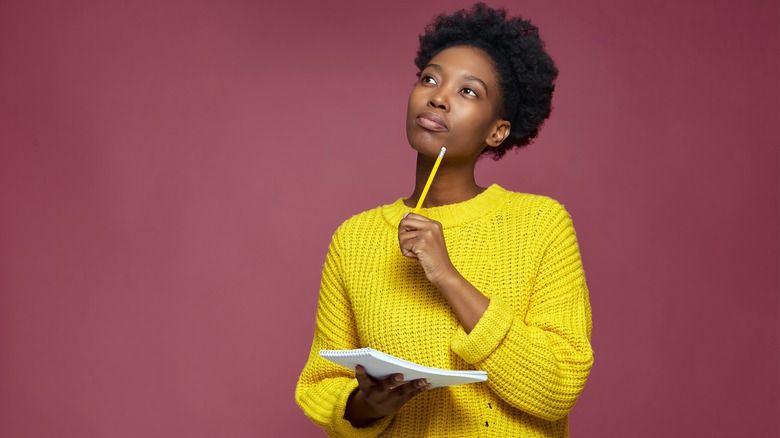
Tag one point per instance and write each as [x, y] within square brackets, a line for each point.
[427, 147]
[424, 142]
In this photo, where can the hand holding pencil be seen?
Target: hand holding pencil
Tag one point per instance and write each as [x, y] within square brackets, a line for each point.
[422, 239]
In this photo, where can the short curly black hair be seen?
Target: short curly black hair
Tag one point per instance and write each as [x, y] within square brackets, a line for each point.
[526, 72]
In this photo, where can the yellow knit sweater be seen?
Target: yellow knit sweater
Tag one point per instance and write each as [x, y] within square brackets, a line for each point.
[533, 341]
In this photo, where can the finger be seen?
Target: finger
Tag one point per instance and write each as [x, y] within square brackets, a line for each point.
[408, 239]
[364, 380]
[408, 248]
[390, 382]
[416, 216]
[408, 225]
[417, 221]
[408, 232]
[404, 227]
[409, 254]
[432, 231]
[410, 389]
[414, 241]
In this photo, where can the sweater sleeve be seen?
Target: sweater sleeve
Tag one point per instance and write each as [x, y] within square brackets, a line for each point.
[324, 387]
[538, 361]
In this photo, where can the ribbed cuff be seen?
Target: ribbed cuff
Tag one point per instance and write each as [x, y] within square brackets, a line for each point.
[344, 428]
[491, 329]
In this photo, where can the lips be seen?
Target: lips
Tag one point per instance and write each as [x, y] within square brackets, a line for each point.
[431, 122]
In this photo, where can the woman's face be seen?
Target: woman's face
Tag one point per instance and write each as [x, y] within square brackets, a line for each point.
[455, 104]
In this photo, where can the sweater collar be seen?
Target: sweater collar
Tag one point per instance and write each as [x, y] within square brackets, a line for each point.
[452, 215]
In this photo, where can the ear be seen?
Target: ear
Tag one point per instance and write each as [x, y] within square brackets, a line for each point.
[499, 133]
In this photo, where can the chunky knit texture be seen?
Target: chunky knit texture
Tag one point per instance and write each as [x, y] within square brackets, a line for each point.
[534, 339]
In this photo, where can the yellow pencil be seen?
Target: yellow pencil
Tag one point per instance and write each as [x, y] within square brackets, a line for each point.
[430, 180]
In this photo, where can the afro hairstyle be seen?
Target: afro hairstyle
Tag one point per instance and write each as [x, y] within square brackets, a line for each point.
[526, 72]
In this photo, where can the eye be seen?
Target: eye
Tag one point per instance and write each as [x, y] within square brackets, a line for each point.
[425, 79]
[469, 91]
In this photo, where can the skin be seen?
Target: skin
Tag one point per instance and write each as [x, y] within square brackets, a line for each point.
[459, 89]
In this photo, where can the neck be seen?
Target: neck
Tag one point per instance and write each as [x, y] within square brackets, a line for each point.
[454, 182]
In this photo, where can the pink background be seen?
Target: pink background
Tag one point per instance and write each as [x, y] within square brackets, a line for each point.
[171, 174]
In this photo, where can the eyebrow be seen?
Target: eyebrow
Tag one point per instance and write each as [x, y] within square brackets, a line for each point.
[439, 68]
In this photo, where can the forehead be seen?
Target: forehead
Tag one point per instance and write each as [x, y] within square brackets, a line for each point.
[467, 60]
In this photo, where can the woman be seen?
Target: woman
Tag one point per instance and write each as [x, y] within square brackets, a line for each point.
[482, 278]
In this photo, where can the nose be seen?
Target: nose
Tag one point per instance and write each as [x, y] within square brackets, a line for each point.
[438, 100]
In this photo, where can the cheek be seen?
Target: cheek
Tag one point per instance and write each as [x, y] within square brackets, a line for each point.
[412, 105]
[417, 96]
[410, 112]
[475, 122]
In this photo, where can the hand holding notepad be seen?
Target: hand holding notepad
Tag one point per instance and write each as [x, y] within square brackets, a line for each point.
[380, 365]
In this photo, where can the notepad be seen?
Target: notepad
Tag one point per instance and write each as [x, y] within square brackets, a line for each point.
[380, 365]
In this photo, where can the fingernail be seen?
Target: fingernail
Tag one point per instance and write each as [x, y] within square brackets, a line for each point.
[398, 378]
